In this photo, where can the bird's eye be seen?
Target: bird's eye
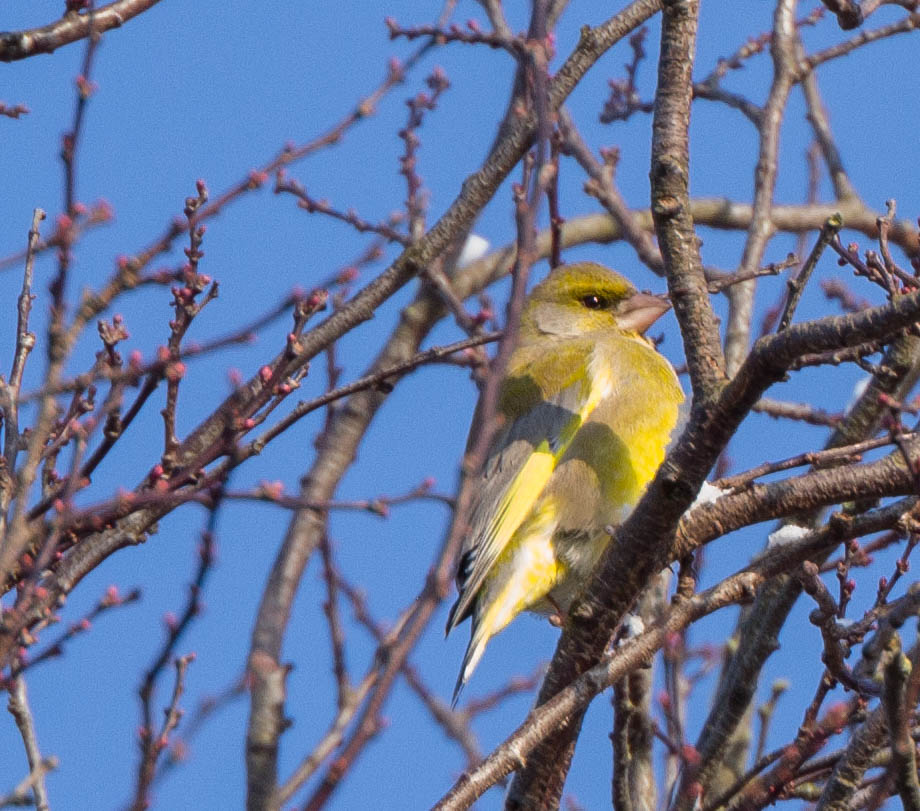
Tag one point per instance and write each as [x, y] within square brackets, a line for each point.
[594, 302]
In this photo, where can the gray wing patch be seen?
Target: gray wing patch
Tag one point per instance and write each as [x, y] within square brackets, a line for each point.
[511, 448]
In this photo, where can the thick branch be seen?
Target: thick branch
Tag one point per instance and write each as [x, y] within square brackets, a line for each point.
[71, 27]
[670, 177]
[897, 670]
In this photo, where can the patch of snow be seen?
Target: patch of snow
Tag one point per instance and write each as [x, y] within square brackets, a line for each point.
[707, 495]
[474, 248]
[858, 390]
[785, 535]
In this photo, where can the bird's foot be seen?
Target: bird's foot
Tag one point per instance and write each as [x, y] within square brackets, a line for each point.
[558, 617]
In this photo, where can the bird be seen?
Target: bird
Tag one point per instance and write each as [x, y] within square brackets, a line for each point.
[587, 405]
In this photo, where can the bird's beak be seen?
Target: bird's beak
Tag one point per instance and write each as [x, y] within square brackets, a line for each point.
[641, 310]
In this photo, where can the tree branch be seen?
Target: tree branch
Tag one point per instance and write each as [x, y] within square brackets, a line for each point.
[15, 45]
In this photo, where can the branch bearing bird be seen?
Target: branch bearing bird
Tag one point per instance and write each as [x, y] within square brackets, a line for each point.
[588, 406]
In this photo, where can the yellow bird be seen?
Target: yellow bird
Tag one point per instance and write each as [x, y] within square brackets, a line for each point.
[588, 406]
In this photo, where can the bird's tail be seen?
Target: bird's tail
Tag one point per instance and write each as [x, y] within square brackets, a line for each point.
[497, 604]
[478, 639]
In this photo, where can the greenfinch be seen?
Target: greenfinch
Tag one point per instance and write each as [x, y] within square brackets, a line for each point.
[588, 405]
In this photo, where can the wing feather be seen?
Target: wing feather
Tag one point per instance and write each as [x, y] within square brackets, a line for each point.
[523, 458]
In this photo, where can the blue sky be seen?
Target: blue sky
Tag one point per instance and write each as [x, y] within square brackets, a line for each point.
[213, 89]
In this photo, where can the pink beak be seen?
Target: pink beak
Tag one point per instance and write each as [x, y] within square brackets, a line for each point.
[641, 310]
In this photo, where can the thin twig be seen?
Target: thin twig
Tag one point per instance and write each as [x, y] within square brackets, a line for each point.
[20, 794]
[797, 285]
[19, 709]
[816, 459]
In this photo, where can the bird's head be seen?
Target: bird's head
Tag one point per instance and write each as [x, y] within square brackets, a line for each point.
[584, 297]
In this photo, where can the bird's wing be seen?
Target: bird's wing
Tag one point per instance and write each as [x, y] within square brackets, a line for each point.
[543, 420]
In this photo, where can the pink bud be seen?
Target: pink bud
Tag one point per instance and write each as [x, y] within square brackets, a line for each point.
[103, 211]
[257, 177]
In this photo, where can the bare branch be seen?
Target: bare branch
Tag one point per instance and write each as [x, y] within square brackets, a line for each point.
[19, 709]
[897, 669]
[796, 286]
[71, 27]
[741, 297]
[671, 203]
